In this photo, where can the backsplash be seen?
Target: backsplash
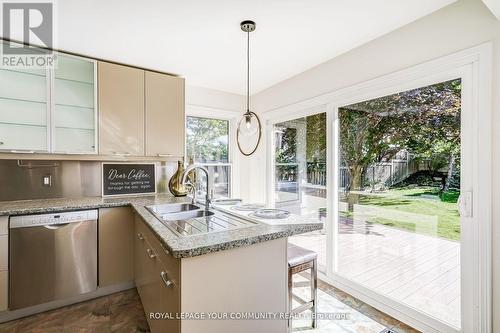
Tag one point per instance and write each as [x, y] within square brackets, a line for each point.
[33, 179]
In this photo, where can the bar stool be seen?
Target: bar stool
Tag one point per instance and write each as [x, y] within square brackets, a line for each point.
[299, 260]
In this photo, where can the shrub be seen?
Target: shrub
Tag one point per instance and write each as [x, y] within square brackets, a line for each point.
[450, 196]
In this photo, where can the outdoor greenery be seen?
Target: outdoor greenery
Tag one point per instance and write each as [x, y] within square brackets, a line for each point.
[425, 121]
[418, 201]
[286, 145]
[207, 139]
[288, 138]
[316, 138]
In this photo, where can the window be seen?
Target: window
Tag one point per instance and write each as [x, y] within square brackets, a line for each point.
[207, 142]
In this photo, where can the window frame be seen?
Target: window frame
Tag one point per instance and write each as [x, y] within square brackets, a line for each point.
[230, 142]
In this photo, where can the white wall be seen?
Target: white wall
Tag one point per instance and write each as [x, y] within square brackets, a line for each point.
[459, 26]
[215, 99]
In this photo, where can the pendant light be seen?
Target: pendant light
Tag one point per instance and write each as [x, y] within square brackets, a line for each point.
[249, 129]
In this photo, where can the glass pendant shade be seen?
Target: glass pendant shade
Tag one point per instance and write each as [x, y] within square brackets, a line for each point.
[249, 133]
[249, 129]
[249, 125]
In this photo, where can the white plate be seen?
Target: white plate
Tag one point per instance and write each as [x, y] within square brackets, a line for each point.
[228, 202]
[248, 207]
[269, 213]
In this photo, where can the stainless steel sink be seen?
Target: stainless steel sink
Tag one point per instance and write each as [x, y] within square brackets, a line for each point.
[187, 215]
[172, 208]
[187, 219]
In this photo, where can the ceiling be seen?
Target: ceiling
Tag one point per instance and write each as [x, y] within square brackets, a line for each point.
[202, 41]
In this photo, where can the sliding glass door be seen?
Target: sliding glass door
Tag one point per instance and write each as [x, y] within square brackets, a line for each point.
[397, 231]
[384, 174]
[300, 175]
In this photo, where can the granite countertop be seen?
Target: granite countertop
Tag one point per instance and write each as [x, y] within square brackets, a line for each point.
[179, 247]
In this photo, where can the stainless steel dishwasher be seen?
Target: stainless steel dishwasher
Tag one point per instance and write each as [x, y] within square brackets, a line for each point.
[52, 257]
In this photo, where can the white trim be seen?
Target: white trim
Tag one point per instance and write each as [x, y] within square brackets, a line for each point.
[483, 68]
[494, 7]
[231, 117]
[478, 61]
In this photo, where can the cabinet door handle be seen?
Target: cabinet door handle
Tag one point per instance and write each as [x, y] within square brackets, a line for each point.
[151, 254]
[116, 153]
[140, 237]
[164, 155]
[22, 151]
[165, 279]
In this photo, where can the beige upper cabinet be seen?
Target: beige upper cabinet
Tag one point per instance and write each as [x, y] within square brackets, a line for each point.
[165, 118]
[121, 110]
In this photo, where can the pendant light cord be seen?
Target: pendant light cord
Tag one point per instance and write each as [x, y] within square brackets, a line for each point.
[248, 71]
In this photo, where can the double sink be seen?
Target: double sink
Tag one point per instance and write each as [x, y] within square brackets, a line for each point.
[185, 219]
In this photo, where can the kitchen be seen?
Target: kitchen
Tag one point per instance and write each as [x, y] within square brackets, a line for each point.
[204, 188]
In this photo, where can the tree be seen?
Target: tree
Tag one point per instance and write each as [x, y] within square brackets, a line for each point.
[207, 139]
[286, 151]
[425, 121]
[316, 137]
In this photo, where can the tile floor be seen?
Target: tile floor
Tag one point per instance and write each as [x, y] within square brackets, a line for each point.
[123, 312]
[356, 316]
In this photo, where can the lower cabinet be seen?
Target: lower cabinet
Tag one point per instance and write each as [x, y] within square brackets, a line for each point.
[116, 246]
[249, 279]
[157, 278]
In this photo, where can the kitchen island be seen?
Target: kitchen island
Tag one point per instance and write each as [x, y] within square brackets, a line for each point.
[210, 282]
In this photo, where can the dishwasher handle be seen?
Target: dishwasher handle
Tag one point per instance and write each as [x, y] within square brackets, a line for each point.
[55, 226]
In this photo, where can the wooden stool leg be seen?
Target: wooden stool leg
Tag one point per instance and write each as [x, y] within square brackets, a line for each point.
[314, 292]
[290, 298]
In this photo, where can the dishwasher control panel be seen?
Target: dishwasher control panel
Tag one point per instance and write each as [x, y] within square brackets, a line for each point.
[52, 218]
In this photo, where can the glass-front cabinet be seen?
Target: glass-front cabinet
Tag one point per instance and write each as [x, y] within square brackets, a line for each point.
[74, 117]
[24, 105]
[49, 110]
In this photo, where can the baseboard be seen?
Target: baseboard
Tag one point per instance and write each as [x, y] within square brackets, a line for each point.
[101, 291]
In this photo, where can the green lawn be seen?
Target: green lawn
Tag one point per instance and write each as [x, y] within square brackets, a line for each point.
[418, 201]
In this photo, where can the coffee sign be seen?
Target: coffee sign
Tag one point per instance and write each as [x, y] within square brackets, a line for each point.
[127, 179]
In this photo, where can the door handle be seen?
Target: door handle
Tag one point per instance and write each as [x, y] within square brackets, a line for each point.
[165, 279]
[55, 226]
[465, 204]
